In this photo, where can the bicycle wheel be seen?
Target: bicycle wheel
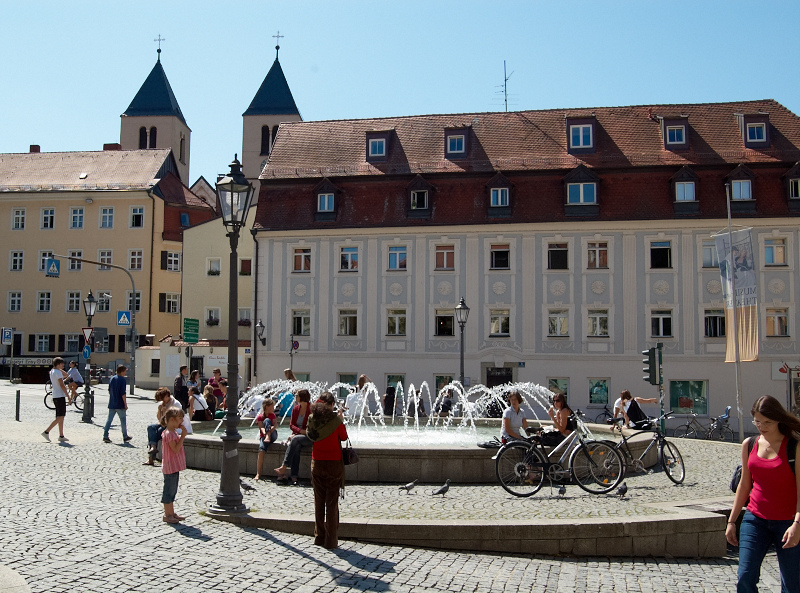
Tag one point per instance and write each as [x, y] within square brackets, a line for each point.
[597, 467]
[520, 469]
[684, 431]
[672, 462]
[48, 401]
[721, 433]
[601, 417]
[78, 401]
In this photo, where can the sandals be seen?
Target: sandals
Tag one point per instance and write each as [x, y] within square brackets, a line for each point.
[178, 517]
[171, 519]
[294, 481]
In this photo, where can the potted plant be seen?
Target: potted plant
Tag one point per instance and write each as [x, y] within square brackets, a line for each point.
[212, 321]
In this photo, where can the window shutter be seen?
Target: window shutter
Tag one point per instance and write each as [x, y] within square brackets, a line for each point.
[61, 340]
[52, 343]
[32, 343]
[121, 347]
[246, 267]
[111, 339]
[163, 260]
[162, 301]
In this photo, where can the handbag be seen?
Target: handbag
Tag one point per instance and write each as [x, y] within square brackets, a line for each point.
[349, 455]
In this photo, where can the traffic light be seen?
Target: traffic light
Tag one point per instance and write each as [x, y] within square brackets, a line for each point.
[651, 369]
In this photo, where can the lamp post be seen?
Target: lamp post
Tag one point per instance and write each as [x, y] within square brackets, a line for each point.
[235, 194]
[260, 327]
[462, 314]
[90, 308]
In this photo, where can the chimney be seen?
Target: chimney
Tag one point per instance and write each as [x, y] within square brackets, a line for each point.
[112, 146]
[35, 148]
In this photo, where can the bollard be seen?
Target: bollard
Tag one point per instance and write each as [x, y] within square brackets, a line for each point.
[17, 405]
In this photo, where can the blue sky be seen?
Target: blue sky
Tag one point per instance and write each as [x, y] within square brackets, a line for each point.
[71, 68]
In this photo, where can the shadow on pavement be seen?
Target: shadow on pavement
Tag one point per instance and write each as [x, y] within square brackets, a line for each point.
[192, 532]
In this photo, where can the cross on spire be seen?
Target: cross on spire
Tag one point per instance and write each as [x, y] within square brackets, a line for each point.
[278, 43]
[160, 39]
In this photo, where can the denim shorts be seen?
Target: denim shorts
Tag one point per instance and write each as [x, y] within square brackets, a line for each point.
[263, 444]
[170, 488]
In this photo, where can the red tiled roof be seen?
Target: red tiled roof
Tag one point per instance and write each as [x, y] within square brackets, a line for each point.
[529, 140]
[175, 192]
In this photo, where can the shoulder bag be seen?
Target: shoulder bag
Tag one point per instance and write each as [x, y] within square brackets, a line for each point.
[349, 455]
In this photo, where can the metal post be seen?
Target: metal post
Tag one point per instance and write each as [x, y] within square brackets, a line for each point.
[17, 405]
[659, 347]
[732, 276]
[461, 373]
[88, 394]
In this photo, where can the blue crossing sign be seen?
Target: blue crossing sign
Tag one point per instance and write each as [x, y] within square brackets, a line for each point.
[52, 267]
[124, 318]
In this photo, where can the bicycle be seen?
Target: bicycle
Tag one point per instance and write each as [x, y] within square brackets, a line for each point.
[668, 455]
[48, 398]
[522, 465]
[603, 416]
[718, 430]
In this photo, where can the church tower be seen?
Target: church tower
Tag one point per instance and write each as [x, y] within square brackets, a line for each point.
[154, 120]
[272, 105]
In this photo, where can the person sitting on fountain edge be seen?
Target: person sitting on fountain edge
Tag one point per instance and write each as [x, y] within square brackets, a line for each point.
[514, 419]
[628, 406]
[563, 423]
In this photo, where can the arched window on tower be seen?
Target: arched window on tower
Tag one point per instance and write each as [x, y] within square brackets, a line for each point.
[153, 134]
[142, 137]
[264, 139]
[183, 150]
[274, 133]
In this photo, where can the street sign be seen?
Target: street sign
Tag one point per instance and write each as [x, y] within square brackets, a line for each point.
[295, 345]
[7, 336]
[123, 318]
[52, 267]
[87, 351]
[87, 333]
[191, 330]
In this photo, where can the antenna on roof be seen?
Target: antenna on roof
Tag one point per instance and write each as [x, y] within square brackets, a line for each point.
[505, 84]
[160, 39]
[278, 43]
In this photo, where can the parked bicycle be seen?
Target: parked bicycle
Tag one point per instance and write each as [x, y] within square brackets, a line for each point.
[603, 416]
[668, 455]
[718, 430]
[522, 466]
[77, 401]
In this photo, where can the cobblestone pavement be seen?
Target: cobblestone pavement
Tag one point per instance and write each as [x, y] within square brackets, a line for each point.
[85, 516]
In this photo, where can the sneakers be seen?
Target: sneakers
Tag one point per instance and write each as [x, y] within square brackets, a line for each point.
[46, 436]
[106, 440]
[62, 439]
[127, 439]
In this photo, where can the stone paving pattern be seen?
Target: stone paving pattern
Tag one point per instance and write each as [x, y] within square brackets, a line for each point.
[85, 516]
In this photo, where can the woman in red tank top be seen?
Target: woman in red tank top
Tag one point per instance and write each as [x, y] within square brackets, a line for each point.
[773, 513]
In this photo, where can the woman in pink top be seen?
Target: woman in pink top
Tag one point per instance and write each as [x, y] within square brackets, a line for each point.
[773, 513]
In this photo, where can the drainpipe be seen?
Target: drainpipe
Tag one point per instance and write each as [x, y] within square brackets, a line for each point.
[253, 339]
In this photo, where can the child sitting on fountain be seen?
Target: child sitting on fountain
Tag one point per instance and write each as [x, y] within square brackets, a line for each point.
[267, 431]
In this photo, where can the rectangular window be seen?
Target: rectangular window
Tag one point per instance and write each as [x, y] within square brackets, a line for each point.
[245, 316]
[741, 190]
[245, 267]
[212, 316]
[135, 259]
[43, 257]
[676, 135]
[16, 261]
[76, 218]
[107, 218]
[14, 302]
[419, 199]
[348, 322]
[104, 256]
[75, 265]
[301, 322]
[377, 147]
[73, 301]
[598, 322]
[73, 342]
[43, 301]
[500, 257]
[499, 197]
[687, 397]
[172, 302]
[349, 259]
[660, 254]
[103, 301]
[48, 218]
[445, 322]
[325, 203]
[581, 193]
[775, 252]
[18, 219]
[137, 217]
[710, 259]
[397, 258]
[715, 323]
[598, 256]
[396, 322]
[445, 257]
[756, 133]
[134, 306]
[499, 322]
[661, 324]
[455, 144]
[777, 322]
[347, 379]
[598, 390]
[42, 342]
[794, 188]
[173, 261]
[558, 256]
[684, 191]
[580, 136]
[185, 221]
[213, 266]
[558, 323]
[302, 259]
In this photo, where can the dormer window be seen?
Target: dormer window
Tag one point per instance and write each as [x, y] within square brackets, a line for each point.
[581, 192]
[324, 202]
[581, 135]
[325, 197]
[499, 197]
[419, 194]
[792, 179]
[675, 131]
[756, 133]
[676, 135]
[684, 192]
[754, 128]
[378, 146]
[455, 143]
[741, 190]
[419, 199]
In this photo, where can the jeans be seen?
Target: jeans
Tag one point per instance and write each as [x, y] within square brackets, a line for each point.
[123, 422]
[170, 490]
[292, 457]
[154, 433]
[755, 536]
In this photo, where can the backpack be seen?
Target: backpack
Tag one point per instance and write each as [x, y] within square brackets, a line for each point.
[638, 419]
[791, 447]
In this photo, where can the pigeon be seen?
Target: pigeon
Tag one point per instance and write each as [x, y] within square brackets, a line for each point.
[246, 487]
[562, 490]
[409, 487]
[443, 490]
[622, 490]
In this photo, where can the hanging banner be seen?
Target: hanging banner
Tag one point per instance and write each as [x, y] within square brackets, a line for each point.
[740, 289]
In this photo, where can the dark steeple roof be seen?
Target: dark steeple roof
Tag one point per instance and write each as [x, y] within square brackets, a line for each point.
[274, 96]
[155, 97]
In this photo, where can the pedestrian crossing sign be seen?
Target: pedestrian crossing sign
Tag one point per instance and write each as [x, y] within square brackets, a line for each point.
[52, 267]
[124, 318]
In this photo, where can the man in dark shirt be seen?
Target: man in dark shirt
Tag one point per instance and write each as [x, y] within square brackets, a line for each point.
[181, 389]
[117, 403]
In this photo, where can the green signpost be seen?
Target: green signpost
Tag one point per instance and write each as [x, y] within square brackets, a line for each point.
[191, 330]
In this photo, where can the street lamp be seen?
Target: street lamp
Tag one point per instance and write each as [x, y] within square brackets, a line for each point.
[235, 195]
[260, 327]
[90, 308]
[462, 314]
